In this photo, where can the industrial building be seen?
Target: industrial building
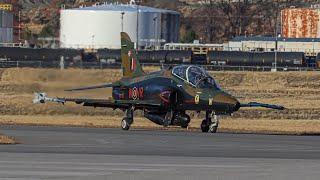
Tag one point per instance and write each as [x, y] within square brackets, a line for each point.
[310, 46]
[300, 22]
[300, 32]
[99, 26]
[6, 24]
[196, 48]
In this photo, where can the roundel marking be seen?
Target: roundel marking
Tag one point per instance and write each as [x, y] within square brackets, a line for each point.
[135, 93]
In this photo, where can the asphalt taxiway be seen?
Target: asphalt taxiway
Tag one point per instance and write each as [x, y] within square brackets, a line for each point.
[90, 153]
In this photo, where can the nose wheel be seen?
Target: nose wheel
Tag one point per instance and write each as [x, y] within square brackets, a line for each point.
[213, 127]
[128, 120]
[125, 124]
[207, 125]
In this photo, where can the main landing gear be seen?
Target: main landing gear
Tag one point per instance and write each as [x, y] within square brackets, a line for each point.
[207, 125]
[177, 118]
[127, 120]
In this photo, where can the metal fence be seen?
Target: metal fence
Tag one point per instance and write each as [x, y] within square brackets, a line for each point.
[101, 65]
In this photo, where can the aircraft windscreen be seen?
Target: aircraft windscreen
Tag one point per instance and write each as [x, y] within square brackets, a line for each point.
[207, 82]
[195, 76]
[180, 72]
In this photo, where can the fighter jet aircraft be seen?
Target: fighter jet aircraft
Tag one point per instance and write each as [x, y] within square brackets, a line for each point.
[163, 96]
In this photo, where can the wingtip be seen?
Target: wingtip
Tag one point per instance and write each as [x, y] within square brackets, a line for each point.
[283, 108]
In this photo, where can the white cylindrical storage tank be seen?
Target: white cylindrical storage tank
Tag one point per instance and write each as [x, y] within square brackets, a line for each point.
[6, 27]
[94, 28]
[149, 28]
[99, 27]
[6, 35]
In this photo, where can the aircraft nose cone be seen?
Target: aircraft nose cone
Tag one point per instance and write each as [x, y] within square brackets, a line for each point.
[232, 103]
[236, 107]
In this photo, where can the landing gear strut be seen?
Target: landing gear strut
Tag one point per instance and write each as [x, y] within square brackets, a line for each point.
[207, 125]
[127, 120]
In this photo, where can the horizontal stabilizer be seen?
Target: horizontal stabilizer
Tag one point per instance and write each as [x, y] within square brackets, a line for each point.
[270, 106]
[90, 87]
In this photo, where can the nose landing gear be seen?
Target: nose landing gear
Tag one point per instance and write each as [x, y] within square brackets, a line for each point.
[209, 125]
[127, 120]
[125, 123]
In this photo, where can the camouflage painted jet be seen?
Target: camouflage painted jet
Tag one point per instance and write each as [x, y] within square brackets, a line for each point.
[163, 96]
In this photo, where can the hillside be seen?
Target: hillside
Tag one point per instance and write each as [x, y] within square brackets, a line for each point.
[213, 21]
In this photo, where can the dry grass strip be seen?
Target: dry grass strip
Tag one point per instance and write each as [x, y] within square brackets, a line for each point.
[297, 91]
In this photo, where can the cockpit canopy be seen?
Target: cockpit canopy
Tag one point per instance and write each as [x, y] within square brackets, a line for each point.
[195, 76]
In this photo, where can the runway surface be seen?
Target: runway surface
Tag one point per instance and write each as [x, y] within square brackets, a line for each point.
[89, 153]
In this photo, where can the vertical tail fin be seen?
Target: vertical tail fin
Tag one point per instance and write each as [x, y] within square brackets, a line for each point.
[130, 62]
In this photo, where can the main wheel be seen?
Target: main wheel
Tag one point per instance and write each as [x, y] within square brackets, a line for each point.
[213, 128]
[125, 125]
[185, 120]
[204, 126]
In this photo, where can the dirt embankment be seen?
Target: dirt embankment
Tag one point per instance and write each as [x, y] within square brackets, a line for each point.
[298, 91]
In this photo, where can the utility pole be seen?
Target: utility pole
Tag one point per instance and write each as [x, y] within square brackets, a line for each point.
[138, 9]
[155, 31]
[122, 14]
[93, 41]
[239, 18]
[313, 53]
[19, 27]
[276, 40]
[276, 52]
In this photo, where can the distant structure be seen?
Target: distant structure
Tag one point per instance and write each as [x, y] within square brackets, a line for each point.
[300, 22]
[310, 46]
[196, 48]
[6, 23]
[99, 26]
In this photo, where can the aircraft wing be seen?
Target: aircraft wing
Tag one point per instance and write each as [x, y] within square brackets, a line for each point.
[91, 87]
[256, 104]
[109, 103]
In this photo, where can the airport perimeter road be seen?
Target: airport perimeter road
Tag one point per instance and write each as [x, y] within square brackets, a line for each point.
[84, 153]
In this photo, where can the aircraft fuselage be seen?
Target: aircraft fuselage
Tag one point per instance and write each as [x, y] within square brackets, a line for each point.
[171, 92]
